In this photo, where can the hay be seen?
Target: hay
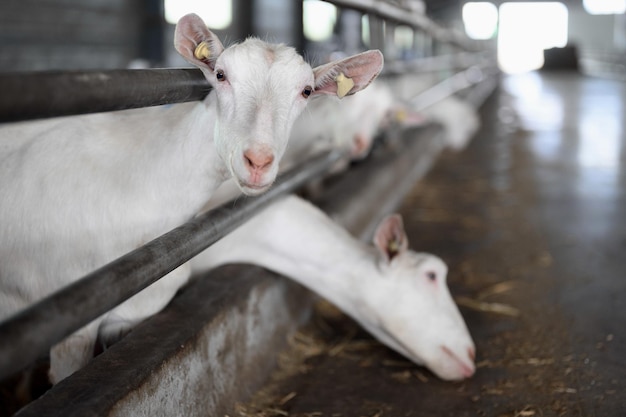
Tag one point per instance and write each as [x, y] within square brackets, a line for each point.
[496, 308]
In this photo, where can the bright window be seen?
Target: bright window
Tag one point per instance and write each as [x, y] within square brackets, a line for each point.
[480, 19]
[319, 19]
[217, 14]
[403, 37]
[525, 30]
[605, 6]
[365, 30]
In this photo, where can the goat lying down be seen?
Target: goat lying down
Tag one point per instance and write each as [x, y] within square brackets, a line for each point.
[78, 192]
[398, 295]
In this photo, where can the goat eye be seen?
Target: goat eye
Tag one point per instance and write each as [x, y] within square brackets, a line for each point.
[431, 275]
[307, 91]
[220, 75]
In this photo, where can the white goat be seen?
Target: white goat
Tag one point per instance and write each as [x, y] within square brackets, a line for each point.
[78, 192]
[353, 123]
[458, 117]
[350, 125]
[460, 120]
[356, 121]
[398, 295]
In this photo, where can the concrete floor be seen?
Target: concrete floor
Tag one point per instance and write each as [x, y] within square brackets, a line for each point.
[531, 220]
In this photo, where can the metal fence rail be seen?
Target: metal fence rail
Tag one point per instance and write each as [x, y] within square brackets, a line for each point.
[358, 200]
[29, 334]
[415, 19]
[37, 95]
[439, 63]
[27, 96]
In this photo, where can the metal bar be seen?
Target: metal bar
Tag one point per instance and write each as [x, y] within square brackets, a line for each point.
[446, 88]
[377, 36]
[438, 62]
[44, 94]
[29, 334]
[376, 187]
[411, 18]
[358, 200]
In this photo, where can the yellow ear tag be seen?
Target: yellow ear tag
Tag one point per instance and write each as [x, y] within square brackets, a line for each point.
[401, 115]
[202, 51]
[344, 85]
[393, 247]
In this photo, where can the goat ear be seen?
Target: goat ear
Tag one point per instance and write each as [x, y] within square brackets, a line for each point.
[349, 75]
[196, 43]
[390, 238]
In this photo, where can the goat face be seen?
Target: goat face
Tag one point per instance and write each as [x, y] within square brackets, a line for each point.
[409, 307]
[260, 90]
[420, 318]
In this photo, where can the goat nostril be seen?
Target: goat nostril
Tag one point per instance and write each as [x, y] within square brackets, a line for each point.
[472, 353]
[268, 161]
[260, 160]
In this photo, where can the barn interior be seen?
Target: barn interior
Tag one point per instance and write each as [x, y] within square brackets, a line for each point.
[521, 193]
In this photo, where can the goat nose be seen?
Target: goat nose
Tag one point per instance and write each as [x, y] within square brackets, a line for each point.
[258, 160]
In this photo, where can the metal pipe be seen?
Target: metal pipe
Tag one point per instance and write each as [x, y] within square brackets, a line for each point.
[437, 63]
[446, 88]
[358, 200]
[29, 334]
[44, 94]
[408, 17]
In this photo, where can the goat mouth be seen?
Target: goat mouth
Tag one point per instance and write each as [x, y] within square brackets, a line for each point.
[466, 370]
[253, 189]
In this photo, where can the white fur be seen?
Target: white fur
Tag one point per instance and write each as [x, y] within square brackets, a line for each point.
[459, 119]
[78, 192]
[393, 298]
[349, 124]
